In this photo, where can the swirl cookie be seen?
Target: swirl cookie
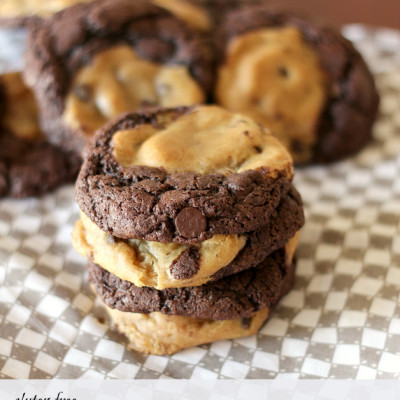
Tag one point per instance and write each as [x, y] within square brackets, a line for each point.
[146, 177]
[117, 56]
[29, 165]
[171, 265]
[306, 83]
[235, 307]
[235, 296]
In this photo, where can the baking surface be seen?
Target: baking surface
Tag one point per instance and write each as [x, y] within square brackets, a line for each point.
[342, 318]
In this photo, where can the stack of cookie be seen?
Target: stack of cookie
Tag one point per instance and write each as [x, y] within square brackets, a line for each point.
[189, 221]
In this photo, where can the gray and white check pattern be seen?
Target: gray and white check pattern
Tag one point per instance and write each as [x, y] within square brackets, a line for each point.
[341, 320]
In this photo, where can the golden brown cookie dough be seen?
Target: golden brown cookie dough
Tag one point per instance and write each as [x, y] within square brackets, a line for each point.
[274, 76]
[146, 263]
[118, 80]
[219, 142]
[193, 15]
[20, 115]
[161, 334]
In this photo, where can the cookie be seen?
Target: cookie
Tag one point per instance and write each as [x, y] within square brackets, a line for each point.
[306, 83]
[235, 296]
[162, 334]
[117, 56]
[171, 265]
[145, 177]
[29, 165]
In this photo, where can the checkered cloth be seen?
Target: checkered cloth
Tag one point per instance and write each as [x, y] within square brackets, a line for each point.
[342, 318]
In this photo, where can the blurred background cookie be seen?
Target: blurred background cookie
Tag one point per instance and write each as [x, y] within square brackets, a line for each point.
[29, 165]
[306, 83]
[117, 56]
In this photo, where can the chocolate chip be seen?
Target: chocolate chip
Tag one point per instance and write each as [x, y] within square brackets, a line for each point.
[190, 222]
[83, 92]
[187, 265]
[256, 101]
[283, 72]
[301, 149]
[246, 322]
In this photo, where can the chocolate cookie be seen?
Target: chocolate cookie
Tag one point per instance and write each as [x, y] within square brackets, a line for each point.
[306, 83]
[182, 175]
[170, 265]
[29, 165]
[236, 296]
[117, 56]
